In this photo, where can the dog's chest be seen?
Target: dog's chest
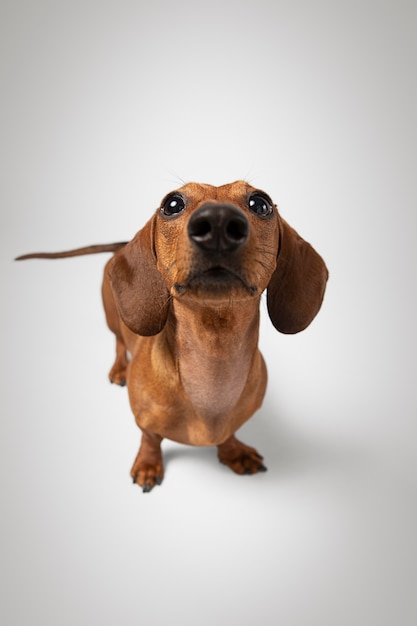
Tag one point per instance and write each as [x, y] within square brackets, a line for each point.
[214, 362]
[212, 384]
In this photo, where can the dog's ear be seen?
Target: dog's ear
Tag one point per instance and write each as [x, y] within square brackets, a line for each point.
[296, 289]
[140, 293]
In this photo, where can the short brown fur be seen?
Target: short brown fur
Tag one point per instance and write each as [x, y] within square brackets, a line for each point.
[186, 321]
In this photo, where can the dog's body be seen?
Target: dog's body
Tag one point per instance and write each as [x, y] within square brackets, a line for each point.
[183, 301]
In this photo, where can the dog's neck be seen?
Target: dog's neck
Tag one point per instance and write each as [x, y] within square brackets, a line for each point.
[214, 348]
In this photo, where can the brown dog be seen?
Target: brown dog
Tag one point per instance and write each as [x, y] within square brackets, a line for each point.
[183, 300]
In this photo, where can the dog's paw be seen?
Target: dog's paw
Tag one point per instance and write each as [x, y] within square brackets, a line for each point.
[147, 475]
[242, 459]
[117, 375]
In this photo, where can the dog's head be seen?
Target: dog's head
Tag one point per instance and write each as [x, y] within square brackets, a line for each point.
[214, 244]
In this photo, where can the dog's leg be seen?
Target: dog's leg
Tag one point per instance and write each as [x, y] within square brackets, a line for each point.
[241, 458]
[148, 469]
[117, 373]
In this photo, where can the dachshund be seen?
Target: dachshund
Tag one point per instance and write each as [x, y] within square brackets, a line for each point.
[183, 298]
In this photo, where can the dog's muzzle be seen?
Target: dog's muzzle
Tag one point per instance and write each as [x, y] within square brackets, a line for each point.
[217, 233]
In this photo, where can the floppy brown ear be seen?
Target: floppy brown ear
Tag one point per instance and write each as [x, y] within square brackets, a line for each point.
[296, 289]
[140, 293]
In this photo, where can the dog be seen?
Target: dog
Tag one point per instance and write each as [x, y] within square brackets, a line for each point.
[183, 298]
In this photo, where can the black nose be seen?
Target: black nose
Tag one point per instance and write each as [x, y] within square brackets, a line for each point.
[218, 227]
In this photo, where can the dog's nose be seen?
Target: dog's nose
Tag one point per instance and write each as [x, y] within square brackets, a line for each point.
[218, 227]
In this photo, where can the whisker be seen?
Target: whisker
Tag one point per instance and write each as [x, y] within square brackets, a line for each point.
[177, 177]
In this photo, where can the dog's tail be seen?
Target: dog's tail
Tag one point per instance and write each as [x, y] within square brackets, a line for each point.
[105, 247]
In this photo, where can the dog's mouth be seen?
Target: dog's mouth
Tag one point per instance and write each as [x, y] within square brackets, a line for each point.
[216, 280]
[218, 273]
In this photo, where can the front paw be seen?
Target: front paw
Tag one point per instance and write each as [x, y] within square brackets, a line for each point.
[242, 459]
[147, 475]
[148, 468]
[117, 374]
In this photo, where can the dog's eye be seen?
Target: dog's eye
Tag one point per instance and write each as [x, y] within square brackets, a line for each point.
[172, 205]
[260, 205]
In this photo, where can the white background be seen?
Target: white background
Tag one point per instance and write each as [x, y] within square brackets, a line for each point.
[105, 106]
